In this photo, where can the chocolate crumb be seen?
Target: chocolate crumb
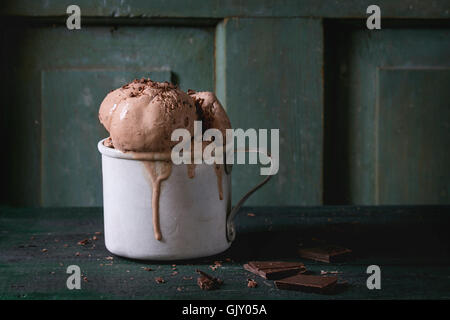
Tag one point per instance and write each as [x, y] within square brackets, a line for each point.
[216, 265]
[83, 242]
[159, 280]
[252, 283]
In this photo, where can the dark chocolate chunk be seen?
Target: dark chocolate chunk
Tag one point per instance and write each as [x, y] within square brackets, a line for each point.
[328, 253]
[271, 270]
[307, 283]
[207, 282]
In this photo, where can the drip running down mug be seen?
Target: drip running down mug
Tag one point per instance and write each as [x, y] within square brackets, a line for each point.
[194, 222]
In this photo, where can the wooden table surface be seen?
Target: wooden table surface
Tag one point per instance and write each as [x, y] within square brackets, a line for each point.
[410, 244]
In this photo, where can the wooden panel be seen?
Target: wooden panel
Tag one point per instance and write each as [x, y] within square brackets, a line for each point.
[353, 57]
[413, 136]
[186, 51]
[71, 130]
[232, 8]
[272, 79]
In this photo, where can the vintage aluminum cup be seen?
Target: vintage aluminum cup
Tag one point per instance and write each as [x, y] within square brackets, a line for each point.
[194, 222]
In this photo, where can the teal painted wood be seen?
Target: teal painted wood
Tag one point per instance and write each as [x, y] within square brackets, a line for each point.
[413, 134]
[273, 80]
[40, 53]
[414, 266]
[353, 57]
[231, 8]
[97, 47]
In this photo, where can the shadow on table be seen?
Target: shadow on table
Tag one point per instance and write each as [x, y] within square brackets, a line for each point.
[406, 241]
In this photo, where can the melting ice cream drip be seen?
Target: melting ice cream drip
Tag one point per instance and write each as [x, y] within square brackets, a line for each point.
[191, 170]
[158, 172]
[218, 170]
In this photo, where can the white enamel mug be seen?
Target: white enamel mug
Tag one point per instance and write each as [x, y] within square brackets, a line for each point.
[194, 221]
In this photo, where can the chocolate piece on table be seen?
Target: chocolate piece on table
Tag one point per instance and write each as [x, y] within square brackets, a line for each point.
[307, 283]
[328, 253]
[207, 282]
[272, 270]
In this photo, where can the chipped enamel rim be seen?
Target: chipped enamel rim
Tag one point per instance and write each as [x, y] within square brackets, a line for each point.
[131, 155]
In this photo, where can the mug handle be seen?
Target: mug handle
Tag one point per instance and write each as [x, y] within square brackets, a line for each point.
[231, 231]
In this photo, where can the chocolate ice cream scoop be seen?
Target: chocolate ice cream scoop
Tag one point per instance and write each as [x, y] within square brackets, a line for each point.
[210, 111]
[141, 115]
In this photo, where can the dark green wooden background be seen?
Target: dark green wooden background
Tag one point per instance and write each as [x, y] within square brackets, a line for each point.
[363, 115]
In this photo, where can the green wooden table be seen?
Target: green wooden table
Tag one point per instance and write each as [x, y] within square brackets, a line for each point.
[410, 244]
